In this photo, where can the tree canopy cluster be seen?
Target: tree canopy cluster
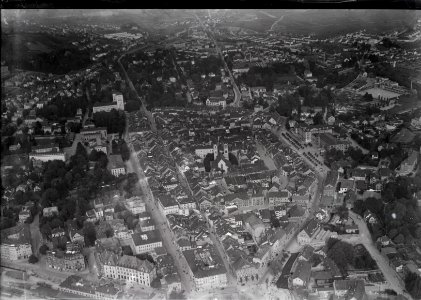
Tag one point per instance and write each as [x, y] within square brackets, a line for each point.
[132, 105]
[268, 76]
[341, 253]
[59, 179]
[211, 64]
[114, 121]
[413, 285]
[207, 162]
[355, 154]
[158, 96]
[287, 103]
[397, 211]
[63, 107]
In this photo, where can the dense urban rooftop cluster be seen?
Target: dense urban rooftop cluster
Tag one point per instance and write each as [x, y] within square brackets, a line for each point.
[210, 158]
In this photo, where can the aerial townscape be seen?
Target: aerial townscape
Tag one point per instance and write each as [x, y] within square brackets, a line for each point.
[210, 154]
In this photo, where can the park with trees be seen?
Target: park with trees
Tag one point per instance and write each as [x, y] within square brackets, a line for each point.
[396, 210]
[347, 256]
[62, 107]
[70, 187]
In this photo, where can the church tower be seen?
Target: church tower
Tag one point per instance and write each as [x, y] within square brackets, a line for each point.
[215, 151]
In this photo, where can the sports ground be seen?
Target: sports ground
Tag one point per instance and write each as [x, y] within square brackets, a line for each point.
[376, 92]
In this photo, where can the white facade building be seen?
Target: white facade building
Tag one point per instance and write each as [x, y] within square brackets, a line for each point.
[14, 251]
[131, 269]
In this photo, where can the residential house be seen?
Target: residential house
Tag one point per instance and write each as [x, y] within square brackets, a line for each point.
[116, 165]
[301, 275]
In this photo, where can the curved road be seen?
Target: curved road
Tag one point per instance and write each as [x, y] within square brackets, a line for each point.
[276, 22]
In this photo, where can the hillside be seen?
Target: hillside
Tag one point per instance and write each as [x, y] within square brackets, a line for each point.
[42, 53]
[323, 23]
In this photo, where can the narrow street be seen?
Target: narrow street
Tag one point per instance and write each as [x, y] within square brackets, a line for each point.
[365, 238]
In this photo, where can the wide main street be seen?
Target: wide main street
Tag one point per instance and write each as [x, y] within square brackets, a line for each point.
[168, 238]
[160, 219]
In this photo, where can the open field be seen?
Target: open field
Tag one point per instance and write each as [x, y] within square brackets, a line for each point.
[376, 92]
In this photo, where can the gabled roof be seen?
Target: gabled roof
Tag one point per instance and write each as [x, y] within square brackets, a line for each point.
[307, 252]
[296, 211]
[355, 288]
[302, 271]
[254, 221]
[115, 162]
[133, 262]
[311, 227]
[332, 178]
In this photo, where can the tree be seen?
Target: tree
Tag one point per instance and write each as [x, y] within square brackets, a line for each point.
[275, 222]
[375, 205]
[318, 119]
[32, 259]
[368, 97]
[393, 233]
[45, 229]
[119, 207]
[109, 232]
[233, 160]
[399, 239]
[93, 156]
[125, 151]
[49, 197]
[56, 223]
[43, 249]
[132, 105]
[341, 253]
[413, 285]
[81, 150]
[115, 121]
[102, 161]
[207, 161]
[343, 212]
[89, 233]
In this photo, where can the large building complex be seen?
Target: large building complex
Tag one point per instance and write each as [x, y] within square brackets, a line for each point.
[117, 104]
[130, 268]
[206, 268]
